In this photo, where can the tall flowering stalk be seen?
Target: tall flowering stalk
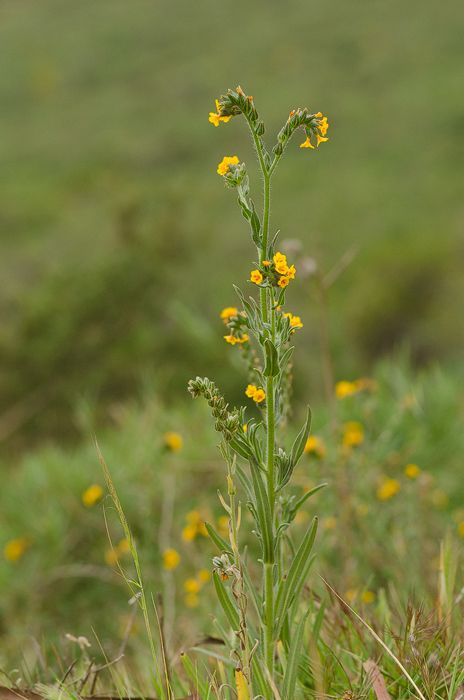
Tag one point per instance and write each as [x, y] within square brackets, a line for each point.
[265, 616]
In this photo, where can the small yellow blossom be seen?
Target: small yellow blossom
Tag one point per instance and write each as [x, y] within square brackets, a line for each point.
[215, 117]
[251, 390]
[191, 600]
[266, 263]
[123, 546]
[329, 523]
[204, 575]
[291, 272]
[344, 388]
[279, 258]
[259, 395]
[191, 585]
[368, 597]
[283, 282]
[256, 276]
[307, 143]
[223, 166]
[228, 313]
[173, 441]
[295, 321]
[111, 556]
[387, 489]
[353, 434]
[171, 559]
[281, 267]
[14, 549]
[92, 495]
[315, 446]
[461, 528]
[412, 471]
[189, 532]
[245, 427]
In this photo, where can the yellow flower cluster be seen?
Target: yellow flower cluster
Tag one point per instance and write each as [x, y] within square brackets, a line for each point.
[215, 117]
[387, 489]
[234, 339]
[92, 495]
[323, 126]
[113, 554]
[14, 549]
[224, 165]
[295, 321]
[171, 559]
[277, 271]
[193, 586]
[353, 434]
[345, 388]
[195, 526]
[173, 441]
[315, 446]
[257, 394]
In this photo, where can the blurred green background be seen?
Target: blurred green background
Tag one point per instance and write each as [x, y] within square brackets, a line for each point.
[119, 244]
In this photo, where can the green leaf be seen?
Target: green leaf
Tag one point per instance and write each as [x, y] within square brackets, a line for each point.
[272, 359]
[199, 685]
[291, 586]
[226, 603]
[296, 507]
[300, 440]
[263, 514]
[220, 543]
[294, 654]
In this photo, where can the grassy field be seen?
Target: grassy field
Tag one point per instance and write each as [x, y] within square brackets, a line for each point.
[110, 201]
[118, 250]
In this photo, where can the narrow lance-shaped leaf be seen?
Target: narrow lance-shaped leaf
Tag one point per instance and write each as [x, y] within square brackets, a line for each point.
[272, 359]
[300, 440]
[226, 603]
[294, 654]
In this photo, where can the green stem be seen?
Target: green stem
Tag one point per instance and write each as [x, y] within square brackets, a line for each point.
[269, 610]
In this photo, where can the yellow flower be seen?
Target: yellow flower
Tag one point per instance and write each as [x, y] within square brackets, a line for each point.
[223, 166]
[329, 523]
[111, 556]
[245, 427]
[315, 446]
[279, 258]
[227, 313]
[368, 597]
[388, 489]
[307, 143]
[189, 533]
[171, 559]
[215, 117]
[343, 389]
[191, 585]
[123, 546]
[256, 276]
[291, 272]
[295, 321]
[283, 282]
[14, 549]
[353, 434]
[204, 575]
[266, 263]
[281, 267]
[173, 441]
[259, 395]
[412, 471]
[191, 600]
[461, 528]
[92, 495]
[251, 390]
[193, 517]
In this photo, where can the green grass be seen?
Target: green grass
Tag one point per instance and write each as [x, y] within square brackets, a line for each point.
[63, 584]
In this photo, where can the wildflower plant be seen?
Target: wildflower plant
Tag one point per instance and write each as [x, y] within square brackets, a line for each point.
[265, 611]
